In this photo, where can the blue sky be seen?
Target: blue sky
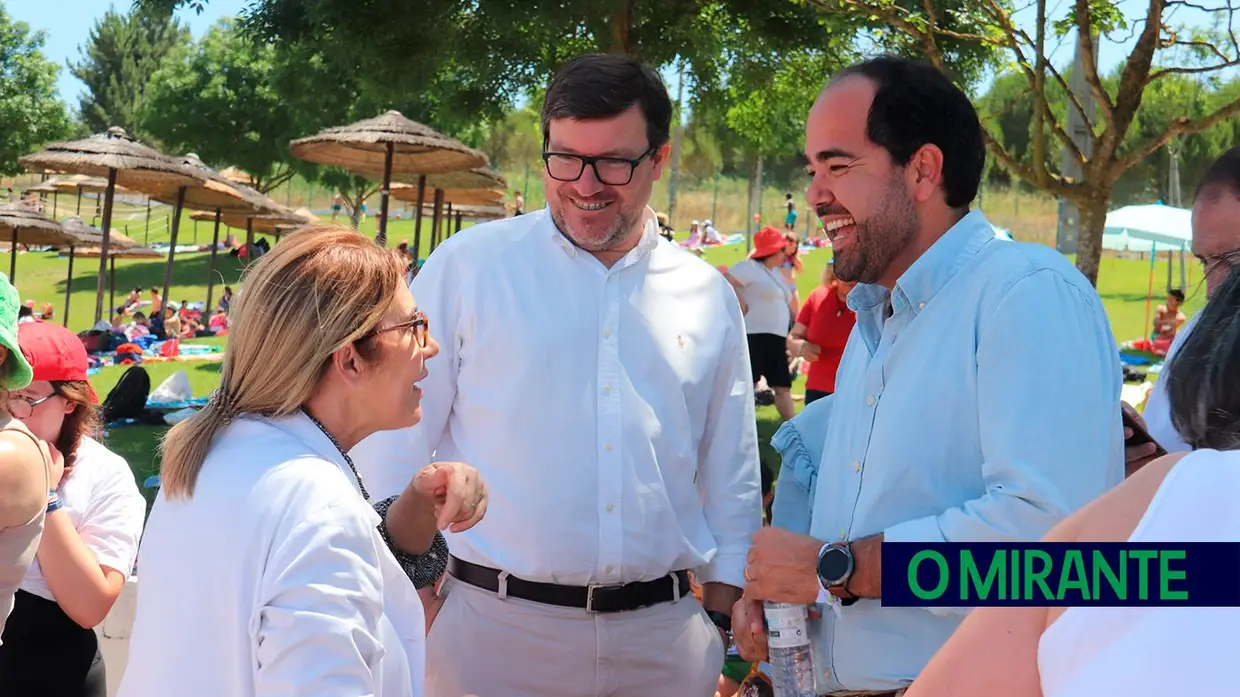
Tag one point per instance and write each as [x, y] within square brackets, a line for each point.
[68, 24]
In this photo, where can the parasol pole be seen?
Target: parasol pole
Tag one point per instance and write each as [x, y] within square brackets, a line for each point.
[111, 287]
[103, 247]
[458, 223]
[13, 258]
[436, 218]
[55, 199]
[215, 243]
[69, 283]
[172, 246]
[381, 238]
[417, 225]
[249, 240]
[79, 204]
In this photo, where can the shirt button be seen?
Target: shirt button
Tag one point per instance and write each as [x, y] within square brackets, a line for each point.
[607, 389]
[856, 465]
[610, 507]
[921, 306]
[870, 400]
[607, 447]
[843, 534]
[606, 332]
[609, 569]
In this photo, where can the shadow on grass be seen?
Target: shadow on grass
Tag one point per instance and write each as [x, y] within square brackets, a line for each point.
[189, 269]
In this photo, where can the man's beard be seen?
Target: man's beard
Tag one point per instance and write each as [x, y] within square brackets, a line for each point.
[624, 223]
[879, 238]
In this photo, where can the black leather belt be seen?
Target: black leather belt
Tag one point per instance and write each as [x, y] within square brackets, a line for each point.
[596, 598]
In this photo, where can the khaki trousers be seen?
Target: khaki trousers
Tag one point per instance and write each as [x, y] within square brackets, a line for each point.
[483, 646]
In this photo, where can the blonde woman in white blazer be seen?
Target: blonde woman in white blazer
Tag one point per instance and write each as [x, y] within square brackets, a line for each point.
[265, 568]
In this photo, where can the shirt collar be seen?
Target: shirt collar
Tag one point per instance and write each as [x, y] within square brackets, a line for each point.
[931, 271]
[299, 426]
[649, 239]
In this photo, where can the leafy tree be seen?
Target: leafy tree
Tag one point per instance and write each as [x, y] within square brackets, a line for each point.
[220, 100]
[1117, 140]
[30, 111]
[117, 64]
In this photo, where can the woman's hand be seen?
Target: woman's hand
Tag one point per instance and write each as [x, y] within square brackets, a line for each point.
[456, 491]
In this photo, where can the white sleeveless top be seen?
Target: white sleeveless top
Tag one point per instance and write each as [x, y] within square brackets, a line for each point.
[1157, 651]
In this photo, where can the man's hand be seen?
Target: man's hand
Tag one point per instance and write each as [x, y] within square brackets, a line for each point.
[1136, 456]
[749, 629]
[456, 491]
[810, 351]
[783, 567]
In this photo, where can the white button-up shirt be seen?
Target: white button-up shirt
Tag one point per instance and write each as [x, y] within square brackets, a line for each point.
[273, 579]
[610, 410]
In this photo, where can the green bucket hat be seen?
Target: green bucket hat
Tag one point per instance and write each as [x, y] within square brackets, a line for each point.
[16, 372]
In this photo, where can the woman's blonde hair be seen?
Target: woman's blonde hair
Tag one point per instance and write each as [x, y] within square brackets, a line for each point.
[321, 288]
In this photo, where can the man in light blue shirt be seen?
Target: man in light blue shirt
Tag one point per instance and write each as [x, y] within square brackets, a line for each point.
[978, 398]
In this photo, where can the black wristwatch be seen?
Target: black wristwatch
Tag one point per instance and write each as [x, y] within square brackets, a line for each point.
[721, 620]
[835, 567]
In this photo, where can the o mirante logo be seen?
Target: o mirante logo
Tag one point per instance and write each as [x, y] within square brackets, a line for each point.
[1060, 574]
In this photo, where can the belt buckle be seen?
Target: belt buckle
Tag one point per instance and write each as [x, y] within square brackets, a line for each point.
[590, 593]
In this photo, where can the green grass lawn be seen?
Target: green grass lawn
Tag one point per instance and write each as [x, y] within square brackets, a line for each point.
[1123, 286]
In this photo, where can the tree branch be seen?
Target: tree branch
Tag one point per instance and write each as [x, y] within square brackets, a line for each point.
[1178, 126]
[1085, 44]
[276, 180]
[1131, 82]
[1054, 185]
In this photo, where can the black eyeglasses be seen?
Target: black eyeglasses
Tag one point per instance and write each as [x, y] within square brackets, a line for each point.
[419, 324]
[1212, 262]
[612, 171]
[22, 407]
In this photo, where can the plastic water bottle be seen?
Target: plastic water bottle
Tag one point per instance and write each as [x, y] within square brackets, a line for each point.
[791, 656]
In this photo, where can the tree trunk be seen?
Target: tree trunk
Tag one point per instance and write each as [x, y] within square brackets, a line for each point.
[622, 27]
[755, 201]
[1093, 220]
[677, 135]
[355, 206]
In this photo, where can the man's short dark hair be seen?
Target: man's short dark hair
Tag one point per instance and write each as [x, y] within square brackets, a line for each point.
[914, 105]
[1223, 173]
[604, 85]
[1177, 294]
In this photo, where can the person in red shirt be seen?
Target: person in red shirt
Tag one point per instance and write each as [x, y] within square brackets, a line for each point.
[820, 333]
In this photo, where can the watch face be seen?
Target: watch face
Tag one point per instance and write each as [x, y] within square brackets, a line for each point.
[833, 565]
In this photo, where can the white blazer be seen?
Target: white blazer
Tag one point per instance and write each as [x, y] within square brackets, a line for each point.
[272, 579]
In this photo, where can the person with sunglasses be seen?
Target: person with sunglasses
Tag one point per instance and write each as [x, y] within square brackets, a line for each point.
[90, 536]
[599, 379]
[1216, 244]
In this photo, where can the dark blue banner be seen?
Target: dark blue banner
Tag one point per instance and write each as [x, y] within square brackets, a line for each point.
[1060, 574]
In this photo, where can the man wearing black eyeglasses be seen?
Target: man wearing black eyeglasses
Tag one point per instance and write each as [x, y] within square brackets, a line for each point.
[1216, 244]
[598, 376]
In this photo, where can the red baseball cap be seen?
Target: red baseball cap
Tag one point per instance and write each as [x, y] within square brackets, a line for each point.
[54, 353]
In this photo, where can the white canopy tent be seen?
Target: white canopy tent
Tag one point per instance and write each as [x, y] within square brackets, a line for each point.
[1148, 227]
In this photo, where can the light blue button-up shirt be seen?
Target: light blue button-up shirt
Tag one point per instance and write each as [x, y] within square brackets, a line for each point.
[984, 408]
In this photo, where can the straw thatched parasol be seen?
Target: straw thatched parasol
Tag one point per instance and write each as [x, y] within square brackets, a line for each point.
[21, 224]
[387, 144]
[459, 197]
[238, 176]
[87, 237]
[476, 178]
[125, 162]
[212, 192]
